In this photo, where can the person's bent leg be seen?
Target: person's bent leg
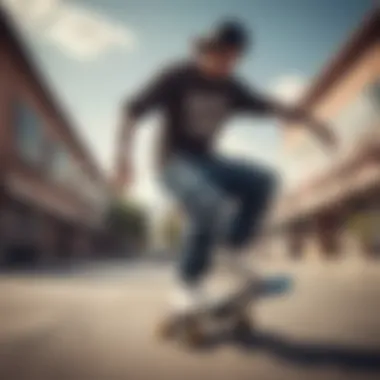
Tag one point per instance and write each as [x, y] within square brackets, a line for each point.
[255, 194]
[202, 201]
[252, 187]
[255, 198]
[204, 210]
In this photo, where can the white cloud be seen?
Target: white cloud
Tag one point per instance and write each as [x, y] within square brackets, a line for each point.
[85, 35]
[76, 31]
[289, 88]
[30, 12]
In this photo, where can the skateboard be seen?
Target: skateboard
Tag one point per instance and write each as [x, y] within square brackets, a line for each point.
[191, 328]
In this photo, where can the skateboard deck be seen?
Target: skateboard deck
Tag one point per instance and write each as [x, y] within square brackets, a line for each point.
[256, 289]
[234, 307]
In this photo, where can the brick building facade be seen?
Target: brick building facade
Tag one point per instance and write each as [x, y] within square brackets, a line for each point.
[329, 196]
[52, 194]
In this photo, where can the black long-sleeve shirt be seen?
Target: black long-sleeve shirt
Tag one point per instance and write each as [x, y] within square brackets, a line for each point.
[194, 106]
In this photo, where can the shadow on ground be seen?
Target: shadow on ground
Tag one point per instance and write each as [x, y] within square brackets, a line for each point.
[302, 353]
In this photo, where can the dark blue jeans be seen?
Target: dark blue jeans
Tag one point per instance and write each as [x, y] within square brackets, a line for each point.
[204, 186]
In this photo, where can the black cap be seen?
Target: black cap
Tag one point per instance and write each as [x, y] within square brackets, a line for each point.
[227, 34]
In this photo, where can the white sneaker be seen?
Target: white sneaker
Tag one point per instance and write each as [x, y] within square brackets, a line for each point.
[241, 269]
[188, 299]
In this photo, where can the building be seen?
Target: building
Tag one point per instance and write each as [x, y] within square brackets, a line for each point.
[328, 197]
[52, 193]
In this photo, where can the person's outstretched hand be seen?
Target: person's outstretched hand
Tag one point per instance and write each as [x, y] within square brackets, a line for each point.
[326, 136]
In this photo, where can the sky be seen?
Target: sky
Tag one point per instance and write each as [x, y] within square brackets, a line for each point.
[96, 53]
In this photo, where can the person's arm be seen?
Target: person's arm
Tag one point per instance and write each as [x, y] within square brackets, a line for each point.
[150, 98]
[248, 101]
[299, 115]
[124, 140]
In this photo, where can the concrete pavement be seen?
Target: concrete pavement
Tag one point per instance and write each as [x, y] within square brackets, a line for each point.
[98, 324]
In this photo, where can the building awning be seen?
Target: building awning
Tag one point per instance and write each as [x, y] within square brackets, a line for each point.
[39, 195]
[364, 178]
[333, 193]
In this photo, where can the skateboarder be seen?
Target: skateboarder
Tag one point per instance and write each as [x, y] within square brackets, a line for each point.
[196, 97]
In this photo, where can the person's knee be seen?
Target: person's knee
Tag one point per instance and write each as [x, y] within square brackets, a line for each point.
[210, 208]
[271, 182]
[193, 271]
[264, 185]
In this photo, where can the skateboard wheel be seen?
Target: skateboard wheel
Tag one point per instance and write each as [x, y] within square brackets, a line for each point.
[192, 334]
[166, 329]
[243, 327]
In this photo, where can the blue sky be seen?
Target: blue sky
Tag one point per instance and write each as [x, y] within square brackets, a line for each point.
[294, 38]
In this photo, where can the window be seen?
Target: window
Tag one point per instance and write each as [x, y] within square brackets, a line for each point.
[28, 133]
[89, 189]
[374, 93]
[72, 175]
[64, 168]
[59, 162]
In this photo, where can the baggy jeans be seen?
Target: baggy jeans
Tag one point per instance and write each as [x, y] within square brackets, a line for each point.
[203, 185]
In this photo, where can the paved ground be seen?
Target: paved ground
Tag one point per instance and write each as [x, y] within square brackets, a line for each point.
[98, 323]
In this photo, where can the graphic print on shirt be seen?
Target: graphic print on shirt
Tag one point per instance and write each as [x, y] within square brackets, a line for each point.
[205, 112]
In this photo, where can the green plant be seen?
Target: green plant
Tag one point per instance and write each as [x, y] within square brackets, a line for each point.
[128, 220]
